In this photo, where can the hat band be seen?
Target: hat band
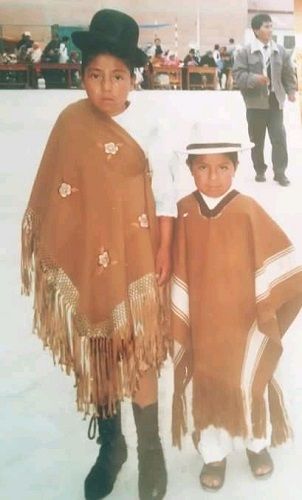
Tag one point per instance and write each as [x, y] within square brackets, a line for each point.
[109, 39]
[214, 145]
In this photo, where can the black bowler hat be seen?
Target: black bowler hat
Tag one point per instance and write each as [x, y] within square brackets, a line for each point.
[112, 31]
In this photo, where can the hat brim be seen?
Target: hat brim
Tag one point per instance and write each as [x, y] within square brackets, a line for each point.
[90, 42]
[211, 150]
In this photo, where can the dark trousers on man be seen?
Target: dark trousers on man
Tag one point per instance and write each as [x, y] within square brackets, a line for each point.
[260, 120]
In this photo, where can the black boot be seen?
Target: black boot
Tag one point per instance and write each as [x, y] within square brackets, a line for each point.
[152, 474]
[113, 453]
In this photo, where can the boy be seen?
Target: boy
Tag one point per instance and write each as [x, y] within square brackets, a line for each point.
[235, 291]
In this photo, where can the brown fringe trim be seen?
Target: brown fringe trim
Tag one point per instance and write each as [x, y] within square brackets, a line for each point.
[259, 417]
[106, 368]
[179, 419]
[215, 403]
[281, 429]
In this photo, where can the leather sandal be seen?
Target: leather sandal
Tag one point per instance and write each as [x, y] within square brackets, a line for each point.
[214, 471]
[258, 460]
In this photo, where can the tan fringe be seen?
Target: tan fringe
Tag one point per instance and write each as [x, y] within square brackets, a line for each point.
[179, 419]
[259, 417]
[106, 368]
[281, 429]
[215, 403]
[27, 260]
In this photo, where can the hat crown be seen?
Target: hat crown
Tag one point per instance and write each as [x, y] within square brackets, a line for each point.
[115, 25]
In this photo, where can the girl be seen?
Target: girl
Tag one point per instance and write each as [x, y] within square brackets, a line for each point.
[99, 249]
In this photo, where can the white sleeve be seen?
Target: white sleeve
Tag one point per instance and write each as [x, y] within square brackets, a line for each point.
[161, 162]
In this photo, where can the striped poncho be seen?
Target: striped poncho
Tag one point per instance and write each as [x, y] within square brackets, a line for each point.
[236, 289]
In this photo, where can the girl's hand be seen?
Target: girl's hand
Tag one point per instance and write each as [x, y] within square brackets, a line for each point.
[163, 264]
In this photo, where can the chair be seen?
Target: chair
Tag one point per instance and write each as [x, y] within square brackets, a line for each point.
[166, 77]
[201, 78]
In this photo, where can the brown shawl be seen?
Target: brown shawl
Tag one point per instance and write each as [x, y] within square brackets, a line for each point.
[89, 237]
[235, 291]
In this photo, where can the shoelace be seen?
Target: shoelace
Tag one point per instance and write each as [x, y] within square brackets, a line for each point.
[92, 427]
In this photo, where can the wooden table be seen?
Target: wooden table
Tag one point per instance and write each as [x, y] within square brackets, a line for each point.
[172, 74]
[208, 77]
[17, 68]
[67, 67]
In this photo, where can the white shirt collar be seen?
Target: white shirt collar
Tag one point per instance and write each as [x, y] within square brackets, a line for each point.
[256, 45]
[213, 202]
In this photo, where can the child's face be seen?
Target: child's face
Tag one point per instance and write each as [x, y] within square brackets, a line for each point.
[213, 174]
[107, 82]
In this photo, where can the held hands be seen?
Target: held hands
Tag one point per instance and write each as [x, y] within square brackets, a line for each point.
[163, 265]
[291, 97]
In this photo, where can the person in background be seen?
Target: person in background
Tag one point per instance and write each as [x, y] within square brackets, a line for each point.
[208, 60]
[191, 58]
[35, 53]
[23, 46]
[264, 73]
[157, 50]
[25, 40]
[52, 49]
[63, 50]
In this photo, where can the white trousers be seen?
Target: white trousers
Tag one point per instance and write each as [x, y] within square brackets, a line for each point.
[215, 444]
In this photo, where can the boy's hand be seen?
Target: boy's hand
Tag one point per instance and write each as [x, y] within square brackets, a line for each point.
[163, 264]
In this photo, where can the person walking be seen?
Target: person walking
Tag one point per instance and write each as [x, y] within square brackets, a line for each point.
[264, 73]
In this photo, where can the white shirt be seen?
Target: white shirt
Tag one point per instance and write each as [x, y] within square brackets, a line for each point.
[63, 53]
[152, 134]
[257, 45]
[213, 202]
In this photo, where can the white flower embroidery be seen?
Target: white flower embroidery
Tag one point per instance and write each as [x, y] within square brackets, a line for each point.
[111, 148]
[103, 259]
[143, 221]
[65, 190]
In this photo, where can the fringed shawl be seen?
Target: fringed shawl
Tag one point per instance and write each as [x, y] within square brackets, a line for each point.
[236, 289]
[89, 237]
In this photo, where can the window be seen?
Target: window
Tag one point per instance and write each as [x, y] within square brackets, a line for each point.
[289, 42]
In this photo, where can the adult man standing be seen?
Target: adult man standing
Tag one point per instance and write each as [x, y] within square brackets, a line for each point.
[264, 73]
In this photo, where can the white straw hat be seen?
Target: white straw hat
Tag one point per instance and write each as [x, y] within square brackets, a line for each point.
[207, 148]
[207, 139]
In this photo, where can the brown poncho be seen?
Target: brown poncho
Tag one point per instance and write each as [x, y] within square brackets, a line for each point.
[235, 291]
[89, 238]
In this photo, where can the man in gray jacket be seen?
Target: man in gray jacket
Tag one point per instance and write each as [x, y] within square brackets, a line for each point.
[264, 73]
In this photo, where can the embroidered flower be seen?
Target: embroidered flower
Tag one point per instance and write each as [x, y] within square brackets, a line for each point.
[111, 148]
[143, 221]
[103, 259]
[65, 190]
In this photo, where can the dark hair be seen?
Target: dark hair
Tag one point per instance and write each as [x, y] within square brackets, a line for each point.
[216, 46]
[231, 40]
[260, 19]
[87, 57]
[233, 156]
